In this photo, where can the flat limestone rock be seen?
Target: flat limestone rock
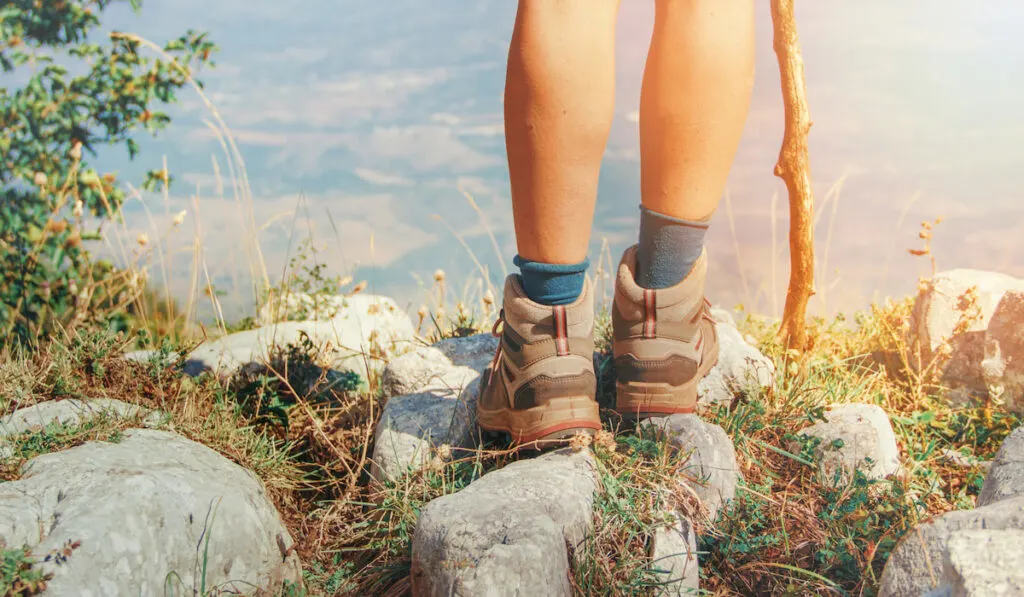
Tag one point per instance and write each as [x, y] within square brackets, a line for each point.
[143, 510]
[70, 412]
[365, 333]
[506, 534]
[985, 563]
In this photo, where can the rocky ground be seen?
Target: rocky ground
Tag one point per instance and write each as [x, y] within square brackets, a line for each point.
[112, 497]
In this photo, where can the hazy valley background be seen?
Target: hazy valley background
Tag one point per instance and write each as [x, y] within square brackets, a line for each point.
[378, 113]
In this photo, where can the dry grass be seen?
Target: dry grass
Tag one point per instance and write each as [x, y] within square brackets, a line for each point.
[308, 434]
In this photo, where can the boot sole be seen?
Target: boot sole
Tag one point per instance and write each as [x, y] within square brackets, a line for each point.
[638, 400]
[545, 426]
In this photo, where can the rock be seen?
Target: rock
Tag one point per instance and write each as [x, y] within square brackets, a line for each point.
[413, 428]
[71, 412]
[919, 556]
[723, 317]
[1006, 476]
[153, 505]
[506, 533]
[367, 329]
[937, 311]
[712, 473]
[302, 306]
[984, 564]
[740, 367]
[956, 458]
[865, 432]
[433, 407]
[474, 351]
[414, 371]
[1003, 365]
[674, 559]
[189, 366]
[712, 468]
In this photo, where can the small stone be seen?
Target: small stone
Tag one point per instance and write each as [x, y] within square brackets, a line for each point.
[864, 432]
[955, 458]
[438, 389]
[413, 426]
[506, 534]
[741, 367]
[674, 559]
[1006, 476]
[712, 471]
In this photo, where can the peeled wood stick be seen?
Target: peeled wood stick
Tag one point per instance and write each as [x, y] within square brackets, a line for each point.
[793, 167]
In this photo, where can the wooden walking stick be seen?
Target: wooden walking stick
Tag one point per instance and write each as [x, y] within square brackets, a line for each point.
[793, 167]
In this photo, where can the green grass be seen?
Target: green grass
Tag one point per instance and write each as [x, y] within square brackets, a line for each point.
[18, 575]
[55, 437]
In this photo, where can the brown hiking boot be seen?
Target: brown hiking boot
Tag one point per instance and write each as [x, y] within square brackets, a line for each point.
[540, 387]
[665, 342]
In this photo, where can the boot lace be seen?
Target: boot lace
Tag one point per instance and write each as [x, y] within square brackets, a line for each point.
[496, 332]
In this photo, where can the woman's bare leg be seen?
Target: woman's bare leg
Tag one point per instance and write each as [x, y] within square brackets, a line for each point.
[559, 105]
[693, 106]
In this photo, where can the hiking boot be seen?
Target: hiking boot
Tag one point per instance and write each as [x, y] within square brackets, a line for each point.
[540, 388]
[665, 342]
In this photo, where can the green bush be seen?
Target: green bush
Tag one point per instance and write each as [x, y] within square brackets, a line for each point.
[53, 202]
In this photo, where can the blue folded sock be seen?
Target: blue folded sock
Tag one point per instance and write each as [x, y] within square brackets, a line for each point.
[552, 283]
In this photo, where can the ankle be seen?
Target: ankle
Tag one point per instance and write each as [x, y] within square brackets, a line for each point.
[552, 283]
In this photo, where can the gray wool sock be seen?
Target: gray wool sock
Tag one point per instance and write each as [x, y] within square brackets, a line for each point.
[668, 248]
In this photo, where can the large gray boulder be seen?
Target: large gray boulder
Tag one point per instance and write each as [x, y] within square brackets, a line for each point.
[867, 438]
[916, 566]
[1006, 476]
[506, 534]
[153, 511]
[365, 332]
[937, 311]
[432, 409]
